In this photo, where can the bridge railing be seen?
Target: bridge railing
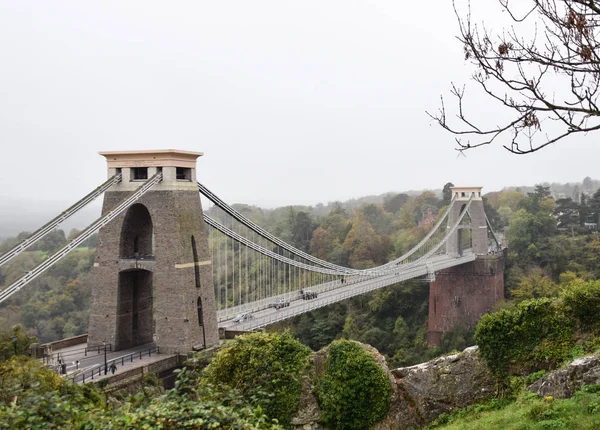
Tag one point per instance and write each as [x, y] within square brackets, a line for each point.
[63, 356]
[97, 372]
[365, 286]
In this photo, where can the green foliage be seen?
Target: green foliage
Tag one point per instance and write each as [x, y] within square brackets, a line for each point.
[34, 397]
[393, 204]
[15, 342]
[447, 193]
[528, 235]
[354, 392]
[266, 368]
[580, 412]
[472, 410]
[55, 305]
[530, 379]
[204, 408]
[534, 285]
[536, 334]
[581, 300]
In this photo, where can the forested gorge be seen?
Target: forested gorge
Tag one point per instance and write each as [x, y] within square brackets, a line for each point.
[551, 242]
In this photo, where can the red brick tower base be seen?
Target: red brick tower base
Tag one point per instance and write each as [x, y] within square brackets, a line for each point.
[461, 295]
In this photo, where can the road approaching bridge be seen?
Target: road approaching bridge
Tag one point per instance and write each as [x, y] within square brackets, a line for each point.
[84, 364]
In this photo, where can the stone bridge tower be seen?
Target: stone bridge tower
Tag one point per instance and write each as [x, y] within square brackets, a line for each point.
[478, 225]
[152, 272]
[459, 296]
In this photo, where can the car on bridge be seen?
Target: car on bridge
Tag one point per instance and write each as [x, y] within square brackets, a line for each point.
[280, 303]
[308, 294]
[244, 316]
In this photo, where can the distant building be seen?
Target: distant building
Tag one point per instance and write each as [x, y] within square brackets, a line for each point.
[428, 218]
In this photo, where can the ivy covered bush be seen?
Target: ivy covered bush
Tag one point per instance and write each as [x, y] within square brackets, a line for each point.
[266, 368]
[354, 392]
[536, 334]
[541, 333]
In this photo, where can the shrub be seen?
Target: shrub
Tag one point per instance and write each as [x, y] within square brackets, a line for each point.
[581, 300]
[17, 340]
[267, 370]
[32, 396]
[205, 409]
[534, 335]
[354, 392]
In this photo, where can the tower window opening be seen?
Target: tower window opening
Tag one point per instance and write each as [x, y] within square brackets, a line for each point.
[183, 174]
[139, 173]
[463, 194]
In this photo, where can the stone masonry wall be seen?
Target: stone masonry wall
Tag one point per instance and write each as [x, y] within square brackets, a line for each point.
[176, 216]
[461, 295]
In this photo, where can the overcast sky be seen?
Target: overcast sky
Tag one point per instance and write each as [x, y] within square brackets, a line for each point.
[291, 102]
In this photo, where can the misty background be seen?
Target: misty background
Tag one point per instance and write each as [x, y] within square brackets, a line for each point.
[291, 103]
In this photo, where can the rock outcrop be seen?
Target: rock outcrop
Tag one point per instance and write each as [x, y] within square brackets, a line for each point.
[564, 382]
[427, 390]
[420, 393]
[423, 392]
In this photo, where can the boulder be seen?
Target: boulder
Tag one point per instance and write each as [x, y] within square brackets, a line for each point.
[420, 393]
[427, 390]
[564, 382]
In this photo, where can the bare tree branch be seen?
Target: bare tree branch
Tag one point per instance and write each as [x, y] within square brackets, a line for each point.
[551, 81]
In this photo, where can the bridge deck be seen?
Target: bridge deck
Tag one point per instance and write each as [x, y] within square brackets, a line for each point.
[330, 293]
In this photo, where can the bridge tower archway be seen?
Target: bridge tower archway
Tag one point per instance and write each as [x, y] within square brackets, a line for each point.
[134, 309]
[137, 233]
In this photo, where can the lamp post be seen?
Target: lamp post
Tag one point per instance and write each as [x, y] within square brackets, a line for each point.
[105, 368]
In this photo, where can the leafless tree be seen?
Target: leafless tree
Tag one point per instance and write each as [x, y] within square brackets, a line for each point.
[543, 72]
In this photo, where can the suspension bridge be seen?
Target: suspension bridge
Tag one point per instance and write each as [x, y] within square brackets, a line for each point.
[169, 273]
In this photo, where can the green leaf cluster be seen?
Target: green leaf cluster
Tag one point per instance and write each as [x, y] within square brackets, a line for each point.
[15, 342]
[540, 333]
[536, 334]
[581, 301]
[528, 411]
[354, 392]
[266, 368]
[204, 408]
[33, 397]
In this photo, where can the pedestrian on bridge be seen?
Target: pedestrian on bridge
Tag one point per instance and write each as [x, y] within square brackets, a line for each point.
[113, 367]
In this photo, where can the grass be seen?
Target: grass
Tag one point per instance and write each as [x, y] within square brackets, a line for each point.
[528, 411]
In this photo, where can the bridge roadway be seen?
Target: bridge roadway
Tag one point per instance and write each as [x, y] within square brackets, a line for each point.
[332, 292]
[94, 358]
